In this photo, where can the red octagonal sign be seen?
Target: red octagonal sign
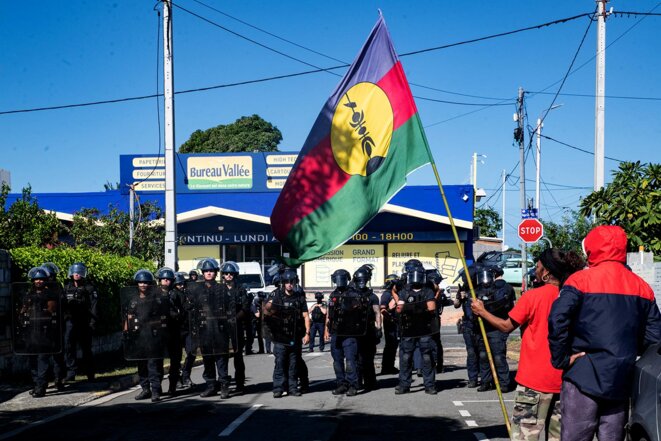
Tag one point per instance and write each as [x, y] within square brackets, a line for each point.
[530, 230]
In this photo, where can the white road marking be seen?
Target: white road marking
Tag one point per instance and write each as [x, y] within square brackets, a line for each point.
[314, 354]
[480, 436]
[458, 403]
[471, 423]
[464, 413]
[237, 422]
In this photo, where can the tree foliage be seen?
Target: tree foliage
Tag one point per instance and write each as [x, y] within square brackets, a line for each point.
[246, 134]
[108, 272]
[25, 224]
[488, 220]
[632, 201]
[566, 235]
[109, 233]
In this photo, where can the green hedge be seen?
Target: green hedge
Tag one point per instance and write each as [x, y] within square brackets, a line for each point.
[107, 272]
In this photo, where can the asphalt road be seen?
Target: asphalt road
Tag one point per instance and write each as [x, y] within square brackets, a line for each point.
[456, 413]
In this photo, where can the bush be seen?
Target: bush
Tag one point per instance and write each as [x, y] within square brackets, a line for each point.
[107, 272]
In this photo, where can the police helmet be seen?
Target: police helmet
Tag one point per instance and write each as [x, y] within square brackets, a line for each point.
[319, 295]
[208, 264]
[289, 276]
[484, 277]
[434, 276]
[411, 264]
[230, 267]
[368, 267]
[51, 268]
[193, 272]
[416, 276]
[78, 268]
[497, 271]
[361, 277]
[38, 272]
[390, 280]
[341, 278]
[276, 280]
[165, 273]
[179, 278]
[144, 276]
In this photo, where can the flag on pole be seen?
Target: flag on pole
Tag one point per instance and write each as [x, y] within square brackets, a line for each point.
[366, 140]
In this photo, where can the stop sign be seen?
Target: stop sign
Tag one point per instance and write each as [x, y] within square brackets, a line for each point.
[530, 230]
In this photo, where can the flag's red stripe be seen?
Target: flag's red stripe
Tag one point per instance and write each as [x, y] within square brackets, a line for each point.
[315, 180]
[394, 84]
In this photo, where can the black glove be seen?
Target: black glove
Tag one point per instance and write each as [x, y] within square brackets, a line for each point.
[379, 334]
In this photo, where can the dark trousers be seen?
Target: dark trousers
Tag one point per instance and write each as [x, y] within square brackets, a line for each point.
[76, 334]
[497, 343]
[317, 329]
[39, 366]
[472, 354]
[213, 364]
[250, 336]
[260, 338]
[189, 360]
[407, 346]
[175, 351]
[150, 373]
[390, 348]
[302, 369]
[345, 360]
[366, 353]
[583, 416]
[438, 351]
[285, 371]
[239, 365]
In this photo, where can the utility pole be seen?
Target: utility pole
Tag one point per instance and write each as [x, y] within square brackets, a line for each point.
[599, 108]
[504, 193]
[540, 124]
[519, 136]
[168, 94]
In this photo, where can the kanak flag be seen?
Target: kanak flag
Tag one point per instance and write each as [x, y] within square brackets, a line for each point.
[366, 140]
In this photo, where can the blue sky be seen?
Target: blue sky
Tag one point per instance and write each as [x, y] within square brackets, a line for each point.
[81, 51]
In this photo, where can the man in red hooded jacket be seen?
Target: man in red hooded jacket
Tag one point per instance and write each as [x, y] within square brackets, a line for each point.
[604, 317]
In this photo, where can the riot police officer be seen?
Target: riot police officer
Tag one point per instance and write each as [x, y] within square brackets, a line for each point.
[256, 309]
[193, 275]
[418, 321]
[144, 319]
[498, 298]
[466, 325]
[318, 313]
[80, 309]
[213, 301]
[389, 320]
[285, 300]
[343, 323]
[37, 329]
[186, 341]
[229, 273]
[373, 333]
[166, 279]
[434, 279]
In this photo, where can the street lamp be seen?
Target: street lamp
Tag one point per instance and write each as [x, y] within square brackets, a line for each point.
[540, 124]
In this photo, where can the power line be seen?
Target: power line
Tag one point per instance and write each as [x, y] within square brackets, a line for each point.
[578, 148]
[277, 77]
[587, 95]
[462, 104]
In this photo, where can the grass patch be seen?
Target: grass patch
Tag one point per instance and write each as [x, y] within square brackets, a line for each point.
[514, 347]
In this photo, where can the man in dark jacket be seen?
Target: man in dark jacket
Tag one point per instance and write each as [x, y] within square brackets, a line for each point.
[604, 317]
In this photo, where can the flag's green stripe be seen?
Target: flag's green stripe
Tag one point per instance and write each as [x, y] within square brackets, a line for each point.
[348, 210]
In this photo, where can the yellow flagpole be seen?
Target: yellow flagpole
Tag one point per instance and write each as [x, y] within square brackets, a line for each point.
[472, 291]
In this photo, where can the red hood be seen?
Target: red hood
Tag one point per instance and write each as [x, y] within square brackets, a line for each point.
[604, 243]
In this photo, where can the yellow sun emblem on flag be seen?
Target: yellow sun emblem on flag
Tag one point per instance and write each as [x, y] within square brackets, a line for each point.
[362, 129]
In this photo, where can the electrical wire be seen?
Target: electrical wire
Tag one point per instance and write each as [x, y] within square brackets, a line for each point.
[578, 148]
[462, 104]
[587, 95]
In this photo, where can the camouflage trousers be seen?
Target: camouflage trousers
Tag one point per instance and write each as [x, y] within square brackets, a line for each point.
[535, 413]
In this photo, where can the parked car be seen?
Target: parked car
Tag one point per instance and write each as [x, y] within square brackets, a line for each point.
[250, 274]
[512, 269]
[645, 423]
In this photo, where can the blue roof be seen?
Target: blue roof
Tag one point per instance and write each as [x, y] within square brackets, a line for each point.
[423, 199]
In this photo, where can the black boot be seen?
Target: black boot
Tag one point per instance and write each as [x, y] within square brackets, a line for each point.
[209, 391]
[224, 392]
[156, 396]
[143, 395]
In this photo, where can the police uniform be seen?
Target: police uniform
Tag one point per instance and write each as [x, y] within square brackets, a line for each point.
[187, 340]
[344, 350]
[389, 314]
[318, 319]
[408, 345]
[367, 343]
[498, 300]
[80, 315]
[470, 338]
[286, 370]
[242, 303]
[174, 347]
